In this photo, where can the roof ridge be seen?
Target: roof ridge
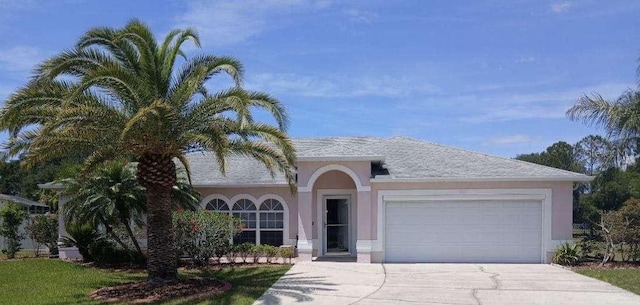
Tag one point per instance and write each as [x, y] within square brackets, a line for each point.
[488, 155]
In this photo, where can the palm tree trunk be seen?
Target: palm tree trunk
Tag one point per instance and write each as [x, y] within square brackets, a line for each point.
[134, 240]
[113, 235]
[162, 261]
[157, 173]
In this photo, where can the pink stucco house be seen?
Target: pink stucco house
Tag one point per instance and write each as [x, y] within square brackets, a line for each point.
[395, 200]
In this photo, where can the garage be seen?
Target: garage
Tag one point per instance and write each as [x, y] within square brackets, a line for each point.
[463, 231]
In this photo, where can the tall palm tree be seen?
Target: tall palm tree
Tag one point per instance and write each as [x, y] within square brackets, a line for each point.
[119, 94]
[620, 117]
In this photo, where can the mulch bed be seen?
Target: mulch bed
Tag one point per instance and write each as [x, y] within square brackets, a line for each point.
[144, 292]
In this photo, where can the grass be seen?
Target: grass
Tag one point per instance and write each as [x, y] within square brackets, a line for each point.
[625, 278]
[47, 281]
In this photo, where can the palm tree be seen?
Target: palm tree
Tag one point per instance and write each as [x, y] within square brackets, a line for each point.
[110, 197]
[118, 94]
[621, 117]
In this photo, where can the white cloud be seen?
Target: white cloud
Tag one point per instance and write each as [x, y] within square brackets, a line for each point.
[340, 85]
[550, 104]
[561, 7]
[223, 23]
[361, 16]
[511, 140]
[20, 59]
[525, 59]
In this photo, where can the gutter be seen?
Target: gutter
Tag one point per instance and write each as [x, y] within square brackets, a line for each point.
[387, 179]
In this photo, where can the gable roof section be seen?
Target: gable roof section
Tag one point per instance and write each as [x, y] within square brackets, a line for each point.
[406, 159]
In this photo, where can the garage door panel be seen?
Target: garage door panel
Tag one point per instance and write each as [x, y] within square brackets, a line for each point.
[449, 231]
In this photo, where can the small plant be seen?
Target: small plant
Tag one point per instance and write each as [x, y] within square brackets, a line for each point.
[566, 254]
[255, 252]
[286, 253]
[232, 254]
[270, 252]
[244, 250]
[201, 234]
[43, 229]
[81, 237]
[12, 215]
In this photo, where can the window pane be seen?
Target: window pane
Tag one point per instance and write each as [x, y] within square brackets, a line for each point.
[244, 205]
[271, 205]
[269, 220]
[245, 237]
[273, 238]
[217, 205]
[248, 219]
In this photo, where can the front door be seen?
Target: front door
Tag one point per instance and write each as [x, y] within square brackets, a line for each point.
[336, 225]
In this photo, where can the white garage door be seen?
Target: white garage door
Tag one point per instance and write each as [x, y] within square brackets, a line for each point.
[478, 231]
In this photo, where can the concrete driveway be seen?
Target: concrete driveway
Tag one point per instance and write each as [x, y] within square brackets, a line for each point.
[473, 284]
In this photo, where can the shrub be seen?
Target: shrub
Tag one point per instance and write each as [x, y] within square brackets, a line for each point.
[12, 215]
[286, 253]
[202, 234]
[255, 252]
[232, 254]
[43, 229]
[244, 251]
[566, 254]
[269, 252]
[81, 237]
[105, 252]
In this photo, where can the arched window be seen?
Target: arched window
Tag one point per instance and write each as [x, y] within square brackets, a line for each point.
[217, 205]
[245, 209]
[271, 223]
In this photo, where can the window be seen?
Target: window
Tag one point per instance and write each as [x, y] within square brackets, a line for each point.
[261, 226]
[272, 223]
[217, 205]
[245, 210]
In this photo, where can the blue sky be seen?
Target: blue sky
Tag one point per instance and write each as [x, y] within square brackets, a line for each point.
[490, 76]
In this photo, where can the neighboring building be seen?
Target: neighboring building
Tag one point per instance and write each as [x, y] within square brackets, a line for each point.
[32, 207]
[395, 200]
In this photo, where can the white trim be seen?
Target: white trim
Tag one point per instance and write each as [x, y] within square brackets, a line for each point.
[285, 218]
[353, 225]
[542, 195]
[333, 167]
[246, 185]
[342, 158]
[205, 200]
[576, 178]
[305, 245]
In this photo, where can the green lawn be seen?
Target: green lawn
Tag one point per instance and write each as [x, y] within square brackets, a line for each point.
[628, 279]
[47, 281]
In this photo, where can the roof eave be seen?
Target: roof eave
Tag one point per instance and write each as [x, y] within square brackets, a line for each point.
[243, 185]
[341, 158]
[486, 179]
[51, 186]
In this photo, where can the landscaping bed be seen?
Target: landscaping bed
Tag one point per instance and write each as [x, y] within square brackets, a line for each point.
[145, 292]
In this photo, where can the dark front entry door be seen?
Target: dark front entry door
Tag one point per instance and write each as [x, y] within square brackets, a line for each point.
[336, 225]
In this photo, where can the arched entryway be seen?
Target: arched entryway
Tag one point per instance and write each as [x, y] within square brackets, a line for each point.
[334, 196]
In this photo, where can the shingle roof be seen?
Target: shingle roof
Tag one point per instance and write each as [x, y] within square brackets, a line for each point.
[404, 158]
[25, 201]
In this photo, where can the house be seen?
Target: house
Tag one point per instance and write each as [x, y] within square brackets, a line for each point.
[395, 200]
[32, 207]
